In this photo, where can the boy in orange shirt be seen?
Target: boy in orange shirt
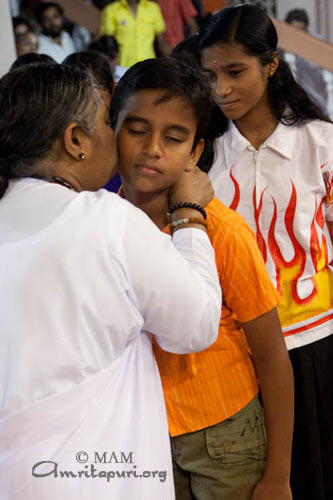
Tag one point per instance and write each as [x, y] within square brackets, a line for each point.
[217, 424]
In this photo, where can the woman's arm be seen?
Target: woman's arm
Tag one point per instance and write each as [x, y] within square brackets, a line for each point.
[275, 375]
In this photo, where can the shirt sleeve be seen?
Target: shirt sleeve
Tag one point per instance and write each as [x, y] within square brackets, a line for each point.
[173, 283]
[247, 288]
[108, 21]
[327, 170]
[158, 20]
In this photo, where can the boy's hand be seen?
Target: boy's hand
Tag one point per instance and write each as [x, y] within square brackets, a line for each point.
[269, 490]
[194, 187]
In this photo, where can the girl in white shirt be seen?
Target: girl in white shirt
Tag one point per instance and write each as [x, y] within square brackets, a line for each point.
[274, 165]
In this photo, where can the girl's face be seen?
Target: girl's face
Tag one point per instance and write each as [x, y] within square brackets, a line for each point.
[155, 139]
[239, 82]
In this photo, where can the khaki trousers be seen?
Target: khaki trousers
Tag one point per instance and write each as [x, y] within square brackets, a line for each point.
[222, 462]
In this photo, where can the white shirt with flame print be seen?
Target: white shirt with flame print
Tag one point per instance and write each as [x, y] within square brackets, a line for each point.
[284, 191]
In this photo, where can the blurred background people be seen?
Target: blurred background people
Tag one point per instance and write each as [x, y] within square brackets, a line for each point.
[108, 45]
[54, 40]
[179, 17]
[21, 26]
[135, 24]
[306, 73]
[26, 43]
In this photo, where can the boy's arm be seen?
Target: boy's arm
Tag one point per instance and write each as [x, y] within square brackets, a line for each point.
[274, 371]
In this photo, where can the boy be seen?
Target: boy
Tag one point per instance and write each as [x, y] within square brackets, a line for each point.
[217, 426]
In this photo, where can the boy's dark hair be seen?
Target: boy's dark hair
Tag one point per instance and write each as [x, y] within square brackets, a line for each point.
[175, 78]
[250, 26]
[106, 44]
[32, 58]
[297, 15]
[43, 6]
[97, 63]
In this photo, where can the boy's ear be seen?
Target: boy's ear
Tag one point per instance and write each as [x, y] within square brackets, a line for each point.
[195, 155]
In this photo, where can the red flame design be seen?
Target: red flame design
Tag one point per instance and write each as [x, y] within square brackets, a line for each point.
[235, 201]
[315, 248]
[300, 255]
[257, 210]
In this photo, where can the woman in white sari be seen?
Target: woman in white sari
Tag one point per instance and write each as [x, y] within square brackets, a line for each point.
[85, 276]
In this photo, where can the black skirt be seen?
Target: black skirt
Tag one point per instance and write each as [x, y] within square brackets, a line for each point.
[312, 457]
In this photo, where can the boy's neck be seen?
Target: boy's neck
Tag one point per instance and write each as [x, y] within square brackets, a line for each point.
[155, 205]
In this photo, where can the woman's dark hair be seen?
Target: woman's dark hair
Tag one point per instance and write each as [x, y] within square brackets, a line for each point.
[250, 26]
[176, 79]
[106, 44]
[97, 63]
[32, 58]
[37, 103]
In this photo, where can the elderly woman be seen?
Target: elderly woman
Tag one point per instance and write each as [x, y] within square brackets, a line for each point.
[85, 277]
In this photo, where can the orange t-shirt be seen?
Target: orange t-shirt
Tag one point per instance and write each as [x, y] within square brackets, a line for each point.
[205, 388]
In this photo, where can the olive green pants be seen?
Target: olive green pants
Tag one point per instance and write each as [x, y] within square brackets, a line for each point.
[222, 462]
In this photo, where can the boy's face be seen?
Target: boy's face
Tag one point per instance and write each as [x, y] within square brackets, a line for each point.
[155, 141]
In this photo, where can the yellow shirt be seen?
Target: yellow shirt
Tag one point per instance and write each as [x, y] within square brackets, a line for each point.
[135, 34]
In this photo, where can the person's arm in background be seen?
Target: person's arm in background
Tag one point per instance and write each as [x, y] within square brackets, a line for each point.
[162, 46]
[189, 13]
[173, 283]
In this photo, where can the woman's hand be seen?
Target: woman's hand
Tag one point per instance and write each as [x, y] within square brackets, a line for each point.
[194, 187]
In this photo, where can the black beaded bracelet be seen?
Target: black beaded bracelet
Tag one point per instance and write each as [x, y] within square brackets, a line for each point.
[187, 204]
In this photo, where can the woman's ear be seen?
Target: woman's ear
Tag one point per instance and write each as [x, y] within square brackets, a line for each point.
[76, 143]
[195, 155]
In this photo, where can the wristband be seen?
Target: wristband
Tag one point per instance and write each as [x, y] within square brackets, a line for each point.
[186, 204]
[187, 220]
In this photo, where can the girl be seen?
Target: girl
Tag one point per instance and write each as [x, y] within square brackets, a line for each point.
[274, 166]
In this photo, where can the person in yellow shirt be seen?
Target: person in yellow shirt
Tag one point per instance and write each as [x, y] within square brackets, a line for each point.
[135, 24]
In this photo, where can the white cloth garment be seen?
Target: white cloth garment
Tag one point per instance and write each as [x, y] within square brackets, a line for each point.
[84, 278]
[284, 191]
[58, 52]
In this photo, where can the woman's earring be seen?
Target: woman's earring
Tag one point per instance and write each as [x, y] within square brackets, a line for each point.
[82, 156]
